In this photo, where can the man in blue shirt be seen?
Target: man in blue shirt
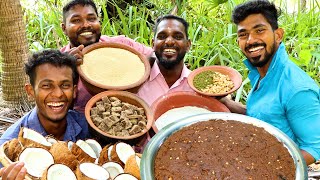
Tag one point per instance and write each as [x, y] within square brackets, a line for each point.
[53, 79]
[282, 94]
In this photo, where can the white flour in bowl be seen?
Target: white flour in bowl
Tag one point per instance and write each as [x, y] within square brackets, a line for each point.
[178, 113]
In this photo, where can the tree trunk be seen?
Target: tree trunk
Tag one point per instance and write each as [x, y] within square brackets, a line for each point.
[13, 44]
[303, 5]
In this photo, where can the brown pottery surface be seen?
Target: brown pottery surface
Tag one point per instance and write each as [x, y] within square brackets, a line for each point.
[232, 73]
[181, 99]
[124, 96]
[95, 87]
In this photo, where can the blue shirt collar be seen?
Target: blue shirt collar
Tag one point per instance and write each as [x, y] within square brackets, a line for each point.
[72, 131]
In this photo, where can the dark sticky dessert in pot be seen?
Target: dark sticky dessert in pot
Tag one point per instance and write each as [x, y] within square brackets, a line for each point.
[219, 149]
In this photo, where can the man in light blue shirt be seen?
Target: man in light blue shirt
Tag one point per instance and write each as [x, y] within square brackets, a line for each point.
[53, 79]
[282, 94]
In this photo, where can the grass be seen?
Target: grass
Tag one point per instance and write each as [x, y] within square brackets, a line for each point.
[212, 34]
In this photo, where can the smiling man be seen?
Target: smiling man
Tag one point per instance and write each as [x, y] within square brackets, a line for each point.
[282, 94]
[82, 26]
[168, 73]
[53, 79]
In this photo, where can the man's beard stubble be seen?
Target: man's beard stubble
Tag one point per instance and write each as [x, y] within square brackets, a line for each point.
[268, 56]
[76, 43]
[170, 64]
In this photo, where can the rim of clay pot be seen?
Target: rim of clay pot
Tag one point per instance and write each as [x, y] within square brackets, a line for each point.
[233, 74]
[98, 45]
[125, 97]
[184, 98]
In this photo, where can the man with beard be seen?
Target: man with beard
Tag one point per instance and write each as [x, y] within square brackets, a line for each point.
[53, 79]
[282, 94]
[168, 73]
[82, 26]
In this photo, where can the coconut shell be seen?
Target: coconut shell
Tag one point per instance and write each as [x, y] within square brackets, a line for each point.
[81, 155]
[13, 149]
[115, 157]
[139, 155]
[81, 176]
[30, 143]
[62, 155]
[132, 167]
[103, 158]
[5, 161]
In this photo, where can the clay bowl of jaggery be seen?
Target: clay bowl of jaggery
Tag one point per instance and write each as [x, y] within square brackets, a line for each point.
[182, 99]
[235, 146]
[215, 80]
[122, 116]
[113, 66]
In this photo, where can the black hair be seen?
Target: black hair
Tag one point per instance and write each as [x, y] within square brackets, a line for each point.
[169, 16]
[264, 7]
[53, 57]
[73, 3]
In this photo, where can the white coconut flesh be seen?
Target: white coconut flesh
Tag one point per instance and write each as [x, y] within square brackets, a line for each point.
[51, 140]
[113, 168]
[70, 143]
[86, 148]
[124, 151]
[35, 136]
[95, 146]
[59, 172]
[125, 176]
[138, 161]
[36, 160]
[109, 152]
[94, 171]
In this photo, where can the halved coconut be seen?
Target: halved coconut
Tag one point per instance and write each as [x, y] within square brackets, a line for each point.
[58, 172]
[95, 146]
[109, 152]
[104, 157]
[80, 154]
[133, 166]
[121, 152]
[93, 171]
[125, 176]
[36, 160]
[86, 148]
[62, 155]
[31, 138]
[113, 168]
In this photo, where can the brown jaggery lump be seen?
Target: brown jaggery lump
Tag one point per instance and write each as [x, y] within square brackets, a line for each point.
[218, 149]
[118, 118]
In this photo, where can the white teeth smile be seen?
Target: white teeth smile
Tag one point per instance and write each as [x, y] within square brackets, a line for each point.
[169, 50]
[55, 104]
[256, 49]
[86, 33]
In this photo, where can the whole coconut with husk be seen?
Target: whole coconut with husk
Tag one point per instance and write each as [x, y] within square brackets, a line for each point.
[13, 149]
[62, 155]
